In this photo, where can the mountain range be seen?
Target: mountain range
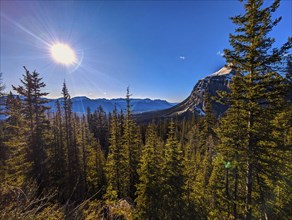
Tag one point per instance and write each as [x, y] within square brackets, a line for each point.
[148, 109]
[81, 103]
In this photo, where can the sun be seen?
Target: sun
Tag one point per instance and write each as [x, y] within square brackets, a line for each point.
[63, 54]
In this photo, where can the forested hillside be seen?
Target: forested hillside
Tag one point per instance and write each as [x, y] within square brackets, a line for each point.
[60, 165]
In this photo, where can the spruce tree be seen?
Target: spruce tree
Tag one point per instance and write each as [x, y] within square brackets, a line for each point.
[209, 118]
[131, 146]
[282, 191]
[254, 59]
[17, 163]
[2, 148]
[149, 188]
[173, 203]
[102, 128]
[2, 95]
[117, 170]
[189, 182]
[205, 149]
[208, 138]
[232, 134]
[98, 125]
[74, 176]
[59, 153]
[34, 111]
[84, 151]
[93, 161]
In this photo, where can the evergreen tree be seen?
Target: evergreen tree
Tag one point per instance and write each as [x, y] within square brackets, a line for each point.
[207, 131]
[148, 190]
[2, 148]
[17, 163]
[98, 125]
[232, 134]
[207, 142]
[102, 129]
[2, 86]
[117, 171]
[189, 182]
[84, 151]
[93, 161]
[2, 95]
[216, 201]
[173, 204]
[282, 191]
[193, 184]
[59, 153]
[254, 60]
[34, 111]
[183, 132]
[73, 179]
[209, 118]
[131, 145]
[288, 75]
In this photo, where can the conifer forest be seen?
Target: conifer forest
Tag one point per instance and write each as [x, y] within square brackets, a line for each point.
[63, 165]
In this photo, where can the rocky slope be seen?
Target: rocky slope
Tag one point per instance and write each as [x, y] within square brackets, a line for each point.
[218, 81]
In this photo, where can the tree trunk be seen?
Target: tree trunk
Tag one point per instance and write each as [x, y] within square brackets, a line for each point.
[248, 198]
[248, 191]
[235, 192]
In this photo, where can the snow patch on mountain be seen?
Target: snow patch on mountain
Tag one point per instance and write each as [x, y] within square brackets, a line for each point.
[222, 71]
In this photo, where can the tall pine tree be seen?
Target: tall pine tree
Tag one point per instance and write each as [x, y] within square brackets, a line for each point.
[173, 203]
[117, 170]
[148, 190]
[131, 146]
[34, 111]
[17, 162]
[2, 148]
[254, 59]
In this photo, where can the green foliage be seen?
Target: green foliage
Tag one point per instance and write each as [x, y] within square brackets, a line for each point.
[95, 164]
[2, 148]
[57, 151]
[173, 203]
[33, 110]
[98, 124]
[148, 191]
[17, 163]
[132, 146]
[256, 97]
[190, 192]
[185, 179]
[117, 171]
[99, 166]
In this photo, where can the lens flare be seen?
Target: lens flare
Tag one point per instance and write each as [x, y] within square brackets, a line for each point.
[63, 54]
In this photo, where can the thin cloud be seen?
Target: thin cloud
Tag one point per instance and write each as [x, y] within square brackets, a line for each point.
[182, 57]
[219, 53]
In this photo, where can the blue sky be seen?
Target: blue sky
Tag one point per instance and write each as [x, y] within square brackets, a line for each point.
[159, 48]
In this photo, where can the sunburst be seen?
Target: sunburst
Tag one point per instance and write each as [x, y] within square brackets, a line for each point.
[63, 54]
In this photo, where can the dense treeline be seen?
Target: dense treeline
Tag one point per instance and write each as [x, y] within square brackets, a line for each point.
[59, 165]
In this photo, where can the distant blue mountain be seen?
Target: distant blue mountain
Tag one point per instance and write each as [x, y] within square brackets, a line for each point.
[81, 103]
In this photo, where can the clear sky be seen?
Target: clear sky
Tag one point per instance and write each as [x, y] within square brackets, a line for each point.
[159, 48]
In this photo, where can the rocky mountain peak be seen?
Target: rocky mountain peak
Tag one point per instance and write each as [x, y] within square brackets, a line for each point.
[218, 81]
